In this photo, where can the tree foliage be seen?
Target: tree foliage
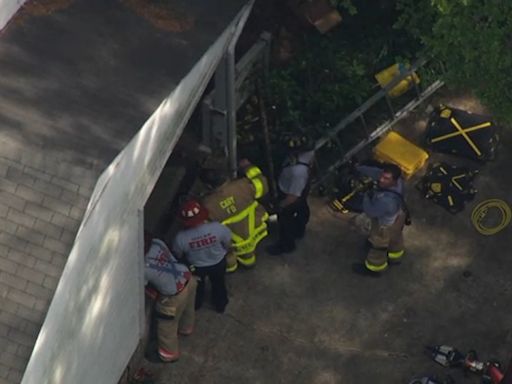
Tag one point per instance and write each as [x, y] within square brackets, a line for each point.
[319, 85]
[347, 5]
[473, 38]
[330, 75]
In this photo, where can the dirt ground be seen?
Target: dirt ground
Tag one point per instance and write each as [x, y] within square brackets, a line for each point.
[306, 317]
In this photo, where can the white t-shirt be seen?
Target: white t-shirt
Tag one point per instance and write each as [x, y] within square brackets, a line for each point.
[294, 177]
[204, 245]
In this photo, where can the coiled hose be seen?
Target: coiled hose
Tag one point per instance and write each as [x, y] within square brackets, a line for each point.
[482, 209]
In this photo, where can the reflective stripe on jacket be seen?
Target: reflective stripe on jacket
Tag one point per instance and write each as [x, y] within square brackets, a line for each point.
[235, 204]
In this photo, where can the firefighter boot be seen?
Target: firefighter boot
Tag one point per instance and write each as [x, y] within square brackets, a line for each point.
[231, 262]
[248, 260]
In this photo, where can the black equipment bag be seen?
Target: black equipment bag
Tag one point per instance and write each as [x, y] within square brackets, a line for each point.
[448, 185]
[458, 132]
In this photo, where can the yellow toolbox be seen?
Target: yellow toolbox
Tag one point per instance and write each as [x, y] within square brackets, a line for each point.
[393, 148]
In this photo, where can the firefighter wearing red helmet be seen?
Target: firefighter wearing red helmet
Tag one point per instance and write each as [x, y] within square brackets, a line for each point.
[204, 245]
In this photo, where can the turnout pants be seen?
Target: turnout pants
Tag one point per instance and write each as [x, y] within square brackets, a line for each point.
[292, 223]
[216, 273]
[175, 314]
[386, 244]
[248, 260]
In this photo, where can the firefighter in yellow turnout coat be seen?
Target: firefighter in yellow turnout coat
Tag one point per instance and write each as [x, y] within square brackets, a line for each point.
[234, 203]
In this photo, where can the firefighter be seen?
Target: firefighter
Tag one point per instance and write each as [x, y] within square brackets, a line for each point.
[204, 246]
[292, 208]
[176, 291]
[235, 204]
[385, 206]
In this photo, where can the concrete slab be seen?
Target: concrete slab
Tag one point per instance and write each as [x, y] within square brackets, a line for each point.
[308, 318]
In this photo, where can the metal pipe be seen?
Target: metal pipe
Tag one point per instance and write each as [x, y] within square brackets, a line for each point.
[231, 93]
[231, 112]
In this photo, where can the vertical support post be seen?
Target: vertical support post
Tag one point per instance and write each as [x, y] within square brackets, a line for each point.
[206, 122]
[266, 136]
[231, 94]
[218, 110]
[142, 301]
[267, 38]
[231, 110]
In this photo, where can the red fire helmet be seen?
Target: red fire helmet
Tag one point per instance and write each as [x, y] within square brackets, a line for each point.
[192, 213]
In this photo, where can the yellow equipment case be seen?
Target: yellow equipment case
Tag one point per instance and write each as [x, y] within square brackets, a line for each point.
[394, 148]
[387, 75]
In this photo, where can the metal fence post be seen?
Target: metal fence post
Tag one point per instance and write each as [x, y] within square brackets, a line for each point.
[231, 112]
[206, 122]
[218, 114]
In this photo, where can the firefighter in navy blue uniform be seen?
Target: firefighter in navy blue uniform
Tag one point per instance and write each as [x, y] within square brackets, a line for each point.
[292, 208]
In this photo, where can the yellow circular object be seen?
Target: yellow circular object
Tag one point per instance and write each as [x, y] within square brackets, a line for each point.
[446, 113]
[481, 210]
[436, 187]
